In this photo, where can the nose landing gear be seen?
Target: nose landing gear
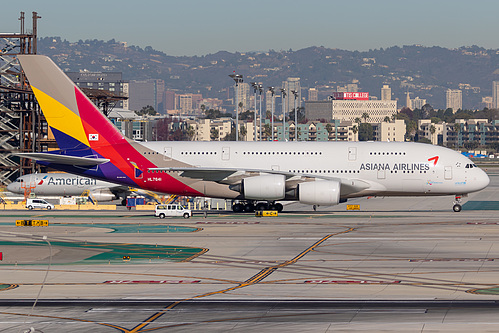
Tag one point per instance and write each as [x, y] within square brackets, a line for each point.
[457, 204]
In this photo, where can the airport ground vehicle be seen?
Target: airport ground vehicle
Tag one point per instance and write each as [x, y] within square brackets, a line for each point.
[163, 211]
[38, 203]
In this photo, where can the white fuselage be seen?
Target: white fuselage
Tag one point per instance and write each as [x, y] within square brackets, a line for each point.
[390, 168]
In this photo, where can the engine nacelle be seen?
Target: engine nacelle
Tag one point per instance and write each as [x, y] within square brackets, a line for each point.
[319, 192]
[102, 195]
[268, 187]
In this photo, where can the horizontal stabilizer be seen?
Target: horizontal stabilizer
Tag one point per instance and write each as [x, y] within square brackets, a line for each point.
[63, 159]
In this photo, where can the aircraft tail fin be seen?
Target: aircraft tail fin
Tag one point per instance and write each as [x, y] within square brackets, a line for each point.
[73, 119]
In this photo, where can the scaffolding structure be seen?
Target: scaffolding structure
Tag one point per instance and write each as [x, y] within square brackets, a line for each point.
[22, 127]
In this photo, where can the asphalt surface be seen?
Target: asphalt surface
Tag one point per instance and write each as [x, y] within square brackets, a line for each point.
[398, 264]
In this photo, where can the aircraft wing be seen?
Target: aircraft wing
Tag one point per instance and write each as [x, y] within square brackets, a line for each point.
[234, 175]
[63, 159]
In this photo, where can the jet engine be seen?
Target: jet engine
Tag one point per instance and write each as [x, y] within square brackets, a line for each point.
[102, 195]
[319, 192]
[268, 187]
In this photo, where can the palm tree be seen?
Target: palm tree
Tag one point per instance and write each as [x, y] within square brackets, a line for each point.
[214, 133]
[243, 131]
[387, 119]
[190, 133]
[357, 120]
[433, 129]
[364, 116]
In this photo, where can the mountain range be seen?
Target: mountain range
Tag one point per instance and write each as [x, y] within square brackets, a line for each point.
[425, 72]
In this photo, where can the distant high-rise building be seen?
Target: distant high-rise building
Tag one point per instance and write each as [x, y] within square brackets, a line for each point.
[313, 94]
[144, 93]
[408, 100]
[185, 103]
[292, 83]
[169, 101]
[386, 93]
[243, 96]
[495, 94]
[352, 87]
[454, 99]
[418, 103]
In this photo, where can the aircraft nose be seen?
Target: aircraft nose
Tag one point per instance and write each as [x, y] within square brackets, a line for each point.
[481, 180]
[10, 187]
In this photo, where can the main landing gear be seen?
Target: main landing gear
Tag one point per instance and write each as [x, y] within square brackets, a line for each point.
[250, 206]
[457, 204]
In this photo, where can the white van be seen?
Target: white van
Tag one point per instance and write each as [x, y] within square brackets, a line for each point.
[38, 203]
[163, 211]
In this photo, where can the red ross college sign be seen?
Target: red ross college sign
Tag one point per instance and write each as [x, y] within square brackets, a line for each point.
[361, 96]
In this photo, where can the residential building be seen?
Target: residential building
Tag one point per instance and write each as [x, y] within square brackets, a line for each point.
[350, 110]
[417, 103]
[390, 131]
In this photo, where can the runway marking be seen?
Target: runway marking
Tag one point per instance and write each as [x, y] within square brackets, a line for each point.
[350, 282]
[66, 318]
[151, 281]
[4, 287]
[251, 281]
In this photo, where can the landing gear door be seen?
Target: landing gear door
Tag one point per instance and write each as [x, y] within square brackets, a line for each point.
[352, 153]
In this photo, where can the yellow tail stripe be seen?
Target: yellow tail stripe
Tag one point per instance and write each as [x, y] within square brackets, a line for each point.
[60, 117]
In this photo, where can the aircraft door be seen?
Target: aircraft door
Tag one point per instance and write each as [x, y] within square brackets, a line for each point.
[448, 172]
[352, 153]
[226, 153]
[168, 154]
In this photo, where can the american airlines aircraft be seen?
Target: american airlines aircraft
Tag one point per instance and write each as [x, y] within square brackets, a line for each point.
[64, 184]
[255, 174]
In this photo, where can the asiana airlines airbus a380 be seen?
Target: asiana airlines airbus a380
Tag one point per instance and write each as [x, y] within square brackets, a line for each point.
[255, 174]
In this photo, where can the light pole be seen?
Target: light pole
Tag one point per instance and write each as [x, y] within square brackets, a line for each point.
[255, 88]
[332, 112]
[238, 78]
[295, 93]
[271, 89]
[283, 91]
[260, 88]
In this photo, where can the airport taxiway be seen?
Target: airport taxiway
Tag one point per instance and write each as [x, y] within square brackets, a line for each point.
[329, 270]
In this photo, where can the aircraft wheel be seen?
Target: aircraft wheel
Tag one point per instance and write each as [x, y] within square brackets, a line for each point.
[261, 206]
[279, 207]
[237, 208]
[123, 202]
[249, 208]
[162, 216]
[457, 208]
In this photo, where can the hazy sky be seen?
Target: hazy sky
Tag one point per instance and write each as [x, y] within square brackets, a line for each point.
[199, 27]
